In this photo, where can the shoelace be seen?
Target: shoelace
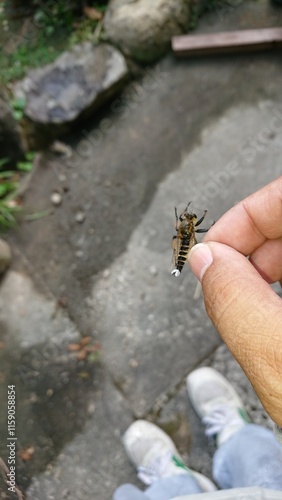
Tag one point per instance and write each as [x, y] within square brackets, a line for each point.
[157, 468]
[220, 417]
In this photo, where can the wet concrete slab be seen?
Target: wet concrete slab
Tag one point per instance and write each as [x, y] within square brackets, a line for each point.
[92, 464]
[58, 396]
[161, 330]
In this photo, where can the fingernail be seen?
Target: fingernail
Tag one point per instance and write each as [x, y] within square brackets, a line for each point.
[200, 258]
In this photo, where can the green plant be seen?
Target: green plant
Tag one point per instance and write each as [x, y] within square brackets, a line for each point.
[57, 15]
[31, 54]
[54, 28]
[101, 6]
[3, 161]
[7, 211]
[27, 164]
[84, 31]
[18, 106]
[8, 186]
[9, 183]
[38, 215]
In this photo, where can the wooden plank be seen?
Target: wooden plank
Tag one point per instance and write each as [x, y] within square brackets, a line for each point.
[227, 42]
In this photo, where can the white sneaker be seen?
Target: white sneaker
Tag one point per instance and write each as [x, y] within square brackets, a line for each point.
[217, 403]
[154, 455]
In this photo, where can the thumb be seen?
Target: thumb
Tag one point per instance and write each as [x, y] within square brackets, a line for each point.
[248, 316]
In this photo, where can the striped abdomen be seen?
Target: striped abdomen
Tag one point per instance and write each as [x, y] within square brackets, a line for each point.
[183, 253]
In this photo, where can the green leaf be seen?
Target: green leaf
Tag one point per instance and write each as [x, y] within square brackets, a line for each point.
[37, 215]
[30, 156]
[7, 220]
[7, 187]
[93, 357]
[101, 8]
[49, 30]
[6, 174]
[19, 103]
[3, 161]
[17, 114]
[25, 166]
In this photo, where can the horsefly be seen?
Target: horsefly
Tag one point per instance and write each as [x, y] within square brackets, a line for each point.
[186, 225]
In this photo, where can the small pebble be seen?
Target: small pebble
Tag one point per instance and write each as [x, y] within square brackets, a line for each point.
[153, 270]
[49, 393]
[91, 408]
[133, 363]
[106, 273]
[80, 217]
[56, 198]
[33, 398]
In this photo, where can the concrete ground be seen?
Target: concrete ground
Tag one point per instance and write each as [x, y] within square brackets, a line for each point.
[207, 130]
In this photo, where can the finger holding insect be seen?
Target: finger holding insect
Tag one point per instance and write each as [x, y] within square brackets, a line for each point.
[267, 259]
[251, 222]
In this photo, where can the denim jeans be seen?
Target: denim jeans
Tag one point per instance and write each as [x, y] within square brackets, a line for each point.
[251, 457]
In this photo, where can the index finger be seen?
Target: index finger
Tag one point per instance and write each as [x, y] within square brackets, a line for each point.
[252, 221]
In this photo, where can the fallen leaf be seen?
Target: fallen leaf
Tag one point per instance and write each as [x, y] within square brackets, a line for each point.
[84, 341]
[74, 347]
[92, 13]
[83, 375]
[81, 355]
[62, 301]
[27, 454]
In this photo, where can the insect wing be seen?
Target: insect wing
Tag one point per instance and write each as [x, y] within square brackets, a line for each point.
[176, 243]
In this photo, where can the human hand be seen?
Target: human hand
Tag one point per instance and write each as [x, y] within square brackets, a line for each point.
[245, 310]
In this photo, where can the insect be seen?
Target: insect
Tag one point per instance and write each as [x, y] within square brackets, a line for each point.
[186, 226]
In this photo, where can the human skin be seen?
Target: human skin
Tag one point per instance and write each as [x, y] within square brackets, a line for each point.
[243, 307]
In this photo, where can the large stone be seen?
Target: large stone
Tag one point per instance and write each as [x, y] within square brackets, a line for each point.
[72, 87]
[142, 29]
[11, 143]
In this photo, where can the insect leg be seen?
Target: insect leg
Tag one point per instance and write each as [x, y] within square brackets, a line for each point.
[201, 230]
[176, 220]
[184, 211]
[201, 219]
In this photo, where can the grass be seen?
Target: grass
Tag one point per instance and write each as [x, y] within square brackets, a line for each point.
[9, 183]
[39, 40]
[30, 54]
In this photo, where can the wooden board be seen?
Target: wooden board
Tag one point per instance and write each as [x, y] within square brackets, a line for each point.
[227, 42]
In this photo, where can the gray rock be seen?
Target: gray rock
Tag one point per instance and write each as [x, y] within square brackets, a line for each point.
[72, 87]
[11, 142]
[5, 256]
[142, 29]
